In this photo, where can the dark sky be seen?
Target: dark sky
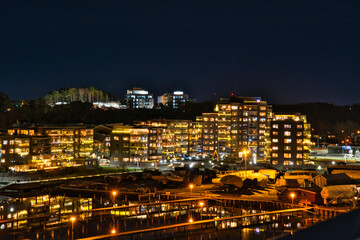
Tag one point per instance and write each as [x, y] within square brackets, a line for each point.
[285, 51]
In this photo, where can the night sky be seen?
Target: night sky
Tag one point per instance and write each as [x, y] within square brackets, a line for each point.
[285, 51]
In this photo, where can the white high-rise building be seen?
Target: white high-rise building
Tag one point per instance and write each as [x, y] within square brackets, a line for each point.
[139, 98]
[174, 100]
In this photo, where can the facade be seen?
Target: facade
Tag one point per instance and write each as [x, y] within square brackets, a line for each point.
[290, 139]
[42, 147]
[209, 138]
[195, 137]
[243, 123]
[172, 136]
[175, 100]
[148, 141]
[139, 98]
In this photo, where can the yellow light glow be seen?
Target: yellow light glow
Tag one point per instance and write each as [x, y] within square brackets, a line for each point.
[114, 193]
[73, 219]
[191, 186]
[201, 204]
[113, 231]
[191, 220]
[292, 195]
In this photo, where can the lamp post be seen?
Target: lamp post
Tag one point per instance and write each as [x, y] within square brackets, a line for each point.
[191, 186]
[201, 209]
[114, 194]
[292, 195]
[245, 152]
[72, 220]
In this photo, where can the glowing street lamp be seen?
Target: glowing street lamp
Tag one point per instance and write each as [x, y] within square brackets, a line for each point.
[292, 195]
[201, 209]
[245, 152]
[72, 220]
[191, 220]
[113, 231]
[191, 186]
[114, 194]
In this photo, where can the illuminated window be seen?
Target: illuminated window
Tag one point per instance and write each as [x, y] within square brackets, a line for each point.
[116, 159]
[275, 162]
[299, 155]
[275, 155]
[275, 140]
[3, 151]
[275, 126]
[299, 134]
[287, 126]
[2, 160]
[299, 126]
[116, 138]
[287, 155]
[275, 148]
[275, 133]
[299, 148]
[287, 140]
[288, 163]
[299, 141]
[298, 162]
[11, 151]
[5, 142]
[287, 133]
[287, 148]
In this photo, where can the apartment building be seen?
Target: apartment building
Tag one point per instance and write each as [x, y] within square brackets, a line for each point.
[244, 123]
[139, 98]
[46, 146]
[290, 139]
[175, 100]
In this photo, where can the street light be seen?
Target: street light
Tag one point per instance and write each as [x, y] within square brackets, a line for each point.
[114, 194]
[191, 186]
[72, 220]
[292, 195]
[191, 220]
[113, 231]
[201, 209]
[245, 152]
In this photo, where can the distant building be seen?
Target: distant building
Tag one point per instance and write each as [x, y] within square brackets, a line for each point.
[139, 98]
[175, 100]
[290, 139]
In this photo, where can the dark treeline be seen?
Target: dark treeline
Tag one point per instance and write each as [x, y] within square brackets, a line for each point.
[325, 117]
[38, 112]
